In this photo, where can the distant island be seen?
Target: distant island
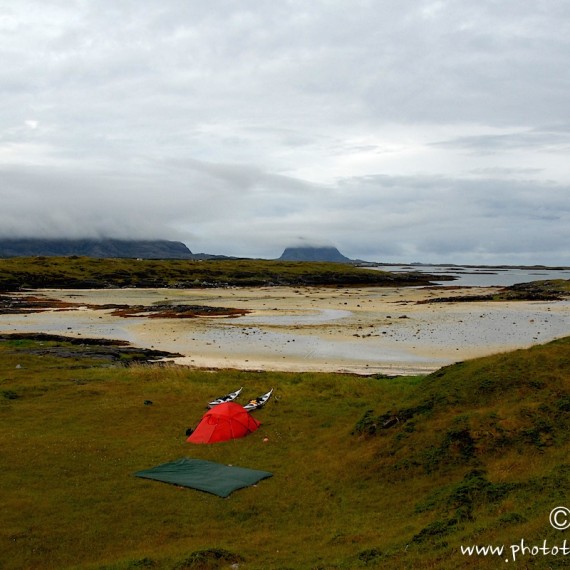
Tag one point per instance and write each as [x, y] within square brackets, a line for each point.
[100, 248]
[307, 253]
[143, 249]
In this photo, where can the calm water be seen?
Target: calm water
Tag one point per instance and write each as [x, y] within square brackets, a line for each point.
[482, 276]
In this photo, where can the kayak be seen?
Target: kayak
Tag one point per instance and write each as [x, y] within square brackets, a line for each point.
[224, 399]
[258, 402]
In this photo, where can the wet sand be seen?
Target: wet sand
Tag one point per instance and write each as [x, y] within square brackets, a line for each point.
[358, 330]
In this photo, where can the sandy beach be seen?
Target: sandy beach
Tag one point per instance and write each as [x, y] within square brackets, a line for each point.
[357, 330]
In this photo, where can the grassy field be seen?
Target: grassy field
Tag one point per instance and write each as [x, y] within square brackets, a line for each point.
[83, 272]
[367, 472]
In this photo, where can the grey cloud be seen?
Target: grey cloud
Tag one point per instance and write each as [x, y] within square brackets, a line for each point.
[385, 128]
[494, 171]
[398, 63]
[551, 139]
[409, 216]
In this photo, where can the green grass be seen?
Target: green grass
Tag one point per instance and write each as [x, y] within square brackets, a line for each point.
[84, 272]
[478, 455]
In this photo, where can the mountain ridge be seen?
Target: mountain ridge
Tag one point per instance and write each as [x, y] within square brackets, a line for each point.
[94, 247]
[143, 249]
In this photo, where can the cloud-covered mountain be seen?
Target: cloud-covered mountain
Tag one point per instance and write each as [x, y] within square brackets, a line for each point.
[309, 253]
[146, 249]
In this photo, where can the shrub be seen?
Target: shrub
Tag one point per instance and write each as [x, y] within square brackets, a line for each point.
[369, 555]
[9, 394]
[436, 529]
[208, 559]
[366, 425]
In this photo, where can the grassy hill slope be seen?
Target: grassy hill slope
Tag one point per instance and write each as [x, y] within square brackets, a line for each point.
[367, 472]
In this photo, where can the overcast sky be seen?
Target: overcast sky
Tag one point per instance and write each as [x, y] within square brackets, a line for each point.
[395, 130]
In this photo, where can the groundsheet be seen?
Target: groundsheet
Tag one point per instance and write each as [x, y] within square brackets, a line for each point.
[215, 478]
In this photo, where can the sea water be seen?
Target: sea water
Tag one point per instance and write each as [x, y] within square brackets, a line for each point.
[481, 276]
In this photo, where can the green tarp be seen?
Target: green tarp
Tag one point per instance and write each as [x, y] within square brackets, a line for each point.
[203, 475]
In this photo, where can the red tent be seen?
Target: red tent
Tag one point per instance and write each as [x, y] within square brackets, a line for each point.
[223, 422]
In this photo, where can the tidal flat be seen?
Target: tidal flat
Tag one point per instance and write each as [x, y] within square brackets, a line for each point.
[362, 330]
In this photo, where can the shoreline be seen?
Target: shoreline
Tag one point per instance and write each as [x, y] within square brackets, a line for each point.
[360, 330]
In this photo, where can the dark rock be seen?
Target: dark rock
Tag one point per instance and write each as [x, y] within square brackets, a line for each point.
[116, 351]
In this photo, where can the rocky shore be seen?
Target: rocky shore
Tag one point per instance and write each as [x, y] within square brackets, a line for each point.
[94, 348]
